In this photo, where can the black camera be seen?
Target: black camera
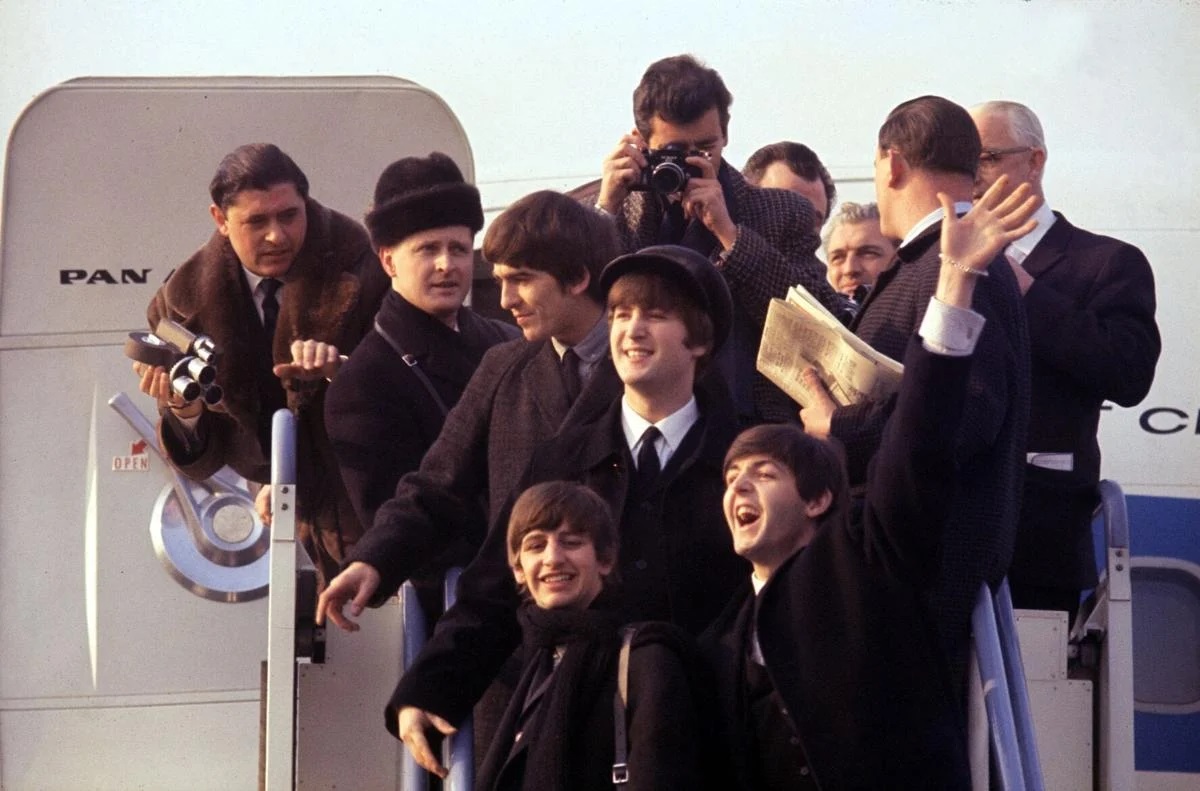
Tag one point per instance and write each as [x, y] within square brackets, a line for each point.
[190, 358]
[667, 170]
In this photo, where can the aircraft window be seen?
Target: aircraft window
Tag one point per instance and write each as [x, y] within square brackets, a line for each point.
[1166, 635]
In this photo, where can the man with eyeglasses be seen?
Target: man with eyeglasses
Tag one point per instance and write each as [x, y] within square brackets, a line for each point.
[1090, 303]
[762, 241]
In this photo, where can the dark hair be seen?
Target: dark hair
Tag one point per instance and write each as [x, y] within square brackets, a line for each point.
[554, 504]
[654, 292]
[933, 134]
[817, 465]
[549, 232]
[256, 166]
[800, 159]
[679, 90]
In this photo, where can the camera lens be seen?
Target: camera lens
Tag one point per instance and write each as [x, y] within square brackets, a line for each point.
[186, 388]
[668, 177]
[201, 371]
[213, 395]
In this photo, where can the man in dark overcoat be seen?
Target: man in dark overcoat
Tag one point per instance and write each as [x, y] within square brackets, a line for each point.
[830, 668]
[761, 240]
[1090, 303]
[388, 402]
[927, 146]
[654, 456]
[547, 252]
[283, 287]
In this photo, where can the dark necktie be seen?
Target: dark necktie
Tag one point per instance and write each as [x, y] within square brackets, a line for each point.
[270, 305]
[674, 223]
[570, 375]
[648, 466]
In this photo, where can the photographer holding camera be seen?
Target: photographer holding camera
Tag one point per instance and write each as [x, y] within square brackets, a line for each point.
[665, 183]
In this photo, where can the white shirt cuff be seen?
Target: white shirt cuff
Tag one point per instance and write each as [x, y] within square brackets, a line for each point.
[950, 330]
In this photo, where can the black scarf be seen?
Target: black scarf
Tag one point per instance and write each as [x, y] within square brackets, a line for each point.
[579, 695]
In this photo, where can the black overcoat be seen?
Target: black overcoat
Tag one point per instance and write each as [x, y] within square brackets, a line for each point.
[846, 637]
[515, 400]
[380, 416]
[990, 441]
[1093, 337]
[683, 572]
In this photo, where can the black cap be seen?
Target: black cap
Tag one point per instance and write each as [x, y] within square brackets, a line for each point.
[419, 193]
[693, 272]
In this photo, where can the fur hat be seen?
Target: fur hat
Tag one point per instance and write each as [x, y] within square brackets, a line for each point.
[419, 193]
[692, 271]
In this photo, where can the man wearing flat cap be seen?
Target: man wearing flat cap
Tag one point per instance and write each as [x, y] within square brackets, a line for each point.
[390, 399]
[654, 456]
[283, 287]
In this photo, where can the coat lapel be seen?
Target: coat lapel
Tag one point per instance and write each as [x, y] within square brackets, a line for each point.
[1051, 250]
[549, 395]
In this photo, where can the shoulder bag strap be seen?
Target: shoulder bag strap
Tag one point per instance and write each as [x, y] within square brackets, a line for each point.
[620, 770]
[411, 362]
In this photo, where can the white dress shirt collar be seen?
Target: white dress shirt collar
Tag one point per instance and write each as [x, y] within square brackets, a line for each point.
[1019, 250]
[960, 208]
[674, 427]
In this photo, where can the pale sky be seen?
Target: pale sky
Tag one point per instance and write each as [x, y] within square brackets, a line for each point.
[543, 88]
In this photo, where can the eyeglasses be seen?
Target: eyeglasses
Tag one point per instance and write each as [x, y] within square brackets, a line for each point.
[991, 157]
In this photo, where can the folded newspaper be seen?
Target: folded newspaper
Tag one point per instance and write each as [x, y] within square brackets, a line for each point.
[800, 333]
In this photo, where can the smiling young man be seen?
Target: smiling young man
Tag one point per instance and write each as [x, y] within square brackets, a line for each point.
[547, 252]
[831, 673]
[557, 733]
[760, 240]
[282, 287]
[654, 457]
[389, 401]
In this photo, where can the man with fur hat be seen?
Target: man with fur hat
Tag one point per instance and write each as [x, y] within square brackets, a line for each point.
[282, 287]
[390, 399]
[654, 457]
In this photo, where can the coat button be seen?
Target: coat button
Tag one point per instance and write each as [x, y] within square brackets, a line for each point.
[640, 565]
[795, 740]
[803, 769]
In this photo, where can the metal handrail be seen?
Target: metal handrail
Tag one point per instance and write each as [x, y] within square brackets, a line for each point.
[1031, 763]
[996, 695]
[412, 776]
[280, 736]
[459, 749]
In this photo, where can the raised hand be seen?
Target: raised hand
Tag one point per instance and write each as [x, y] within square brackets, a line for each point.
[621, 170]
[969, 243]
[997, 219]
